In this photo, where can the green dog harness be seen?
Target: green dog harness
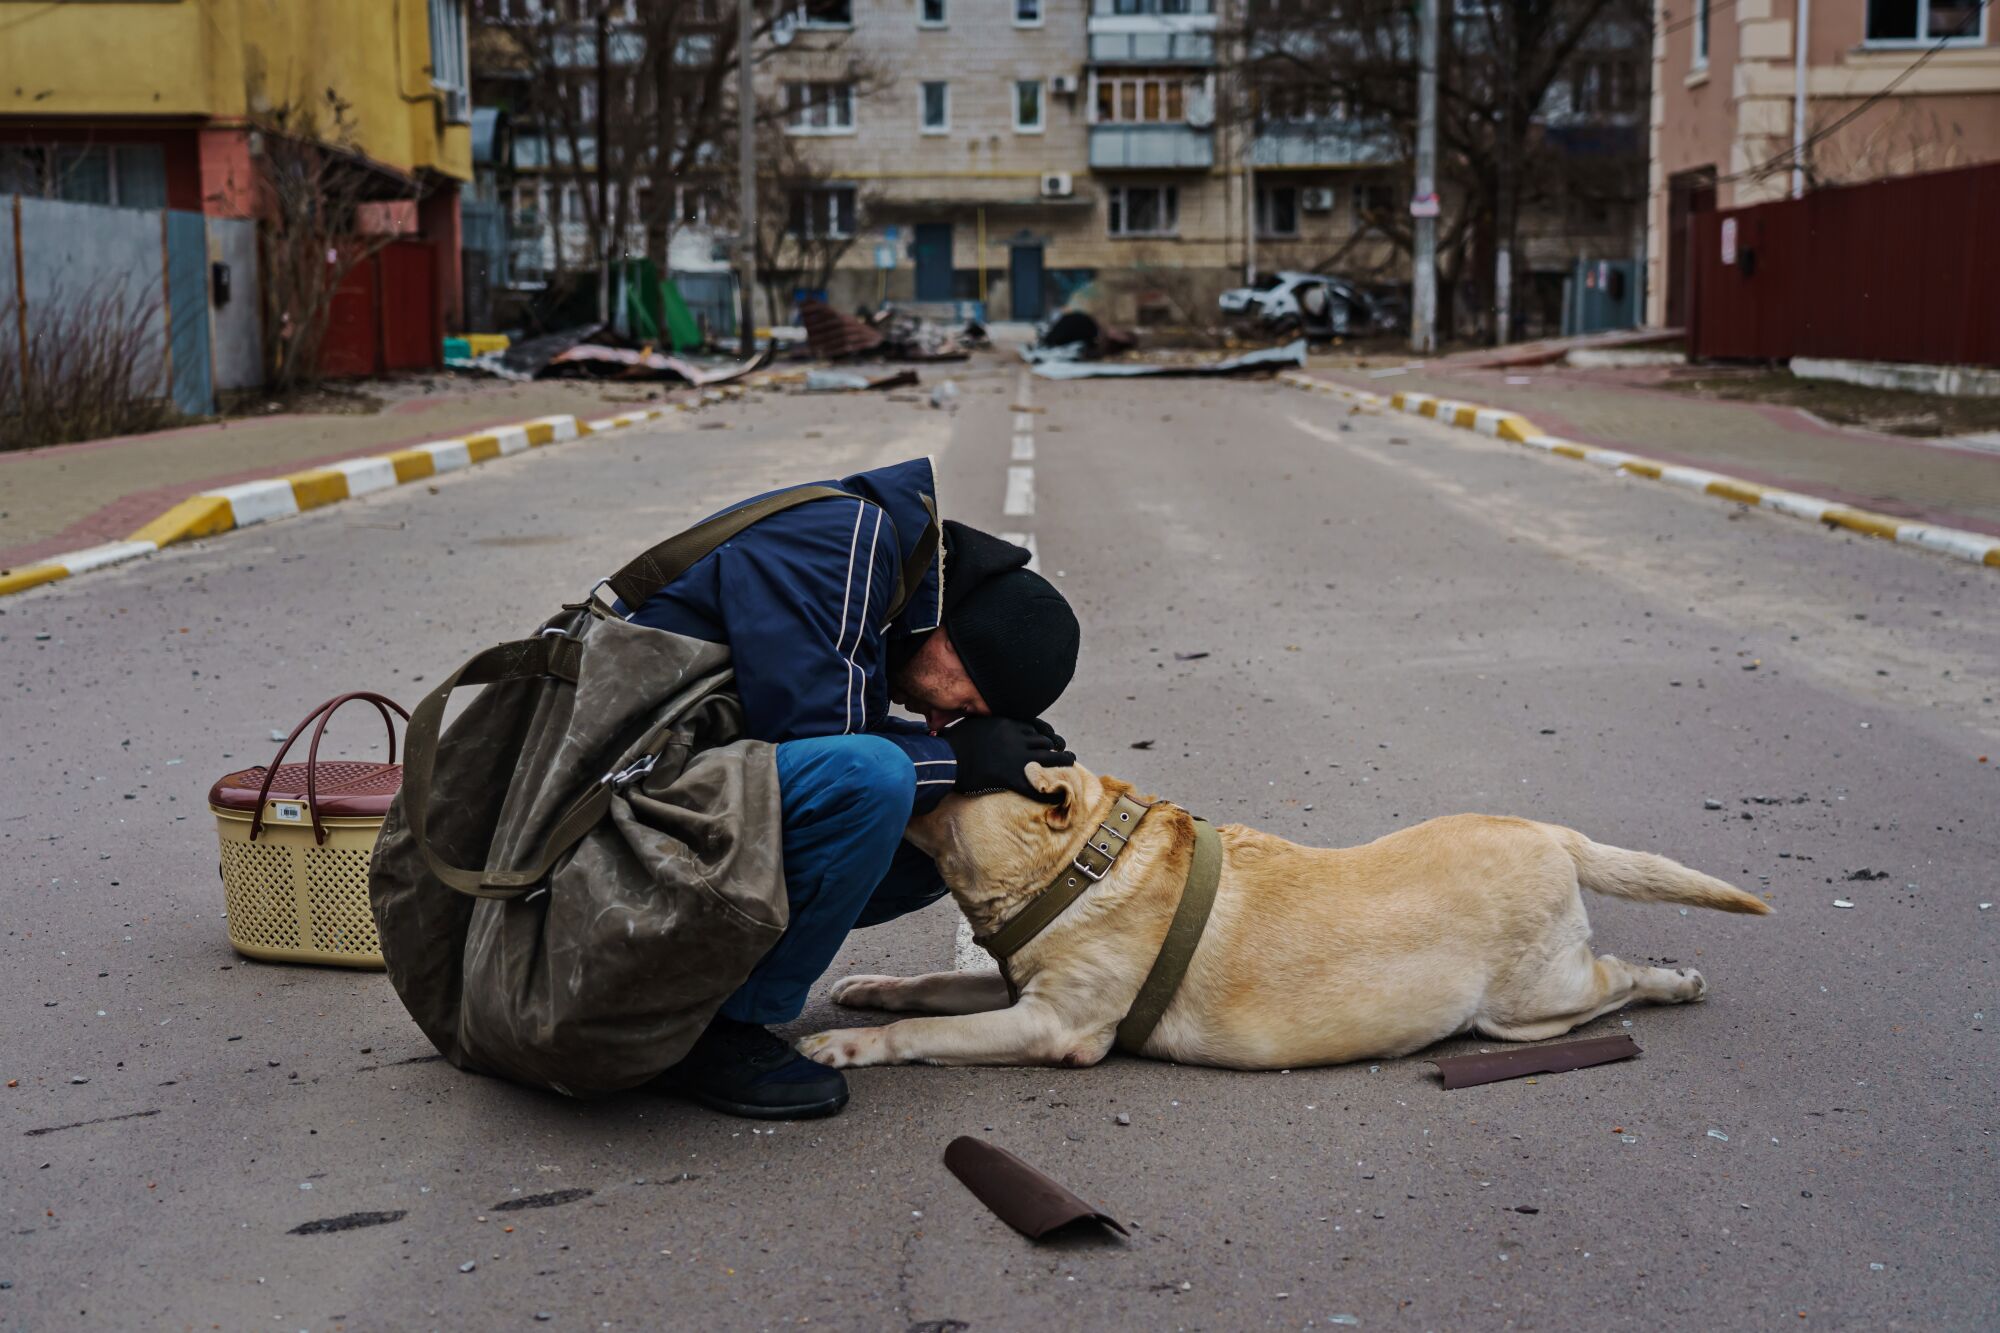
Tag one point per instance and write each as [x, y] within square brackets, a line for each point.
[1100, 853]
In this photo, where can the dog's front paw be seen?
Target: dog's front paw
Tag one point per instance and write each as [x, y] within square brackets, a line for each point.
[1697, 985]
[846, 1048]
[863, 992]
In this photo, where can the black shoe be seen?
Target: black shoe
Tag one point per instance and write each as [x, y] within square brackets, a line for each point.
[742, 1069]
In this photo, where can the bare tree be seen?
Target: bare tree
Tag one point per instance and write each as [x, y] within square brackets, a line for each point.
[311, 184]
[806, 220]
[668, 103]
[1499, 62]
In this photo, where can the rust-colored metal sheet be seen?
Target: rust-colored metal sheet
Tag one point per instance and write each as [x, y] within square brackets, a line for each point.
[1891, 270]
[1031, 1202]
[1466, 1071]
[831, 335]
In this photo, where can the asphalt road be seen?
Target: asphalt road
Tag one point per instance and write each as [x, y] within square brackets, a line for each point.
[1399, 621]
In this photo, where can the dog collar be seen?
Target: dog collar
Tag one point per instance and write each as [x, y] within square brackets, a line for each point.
[1093, 863]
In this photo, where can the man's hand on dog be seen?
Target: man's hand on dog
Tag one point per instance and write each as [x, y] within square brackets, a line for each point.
[993, 754]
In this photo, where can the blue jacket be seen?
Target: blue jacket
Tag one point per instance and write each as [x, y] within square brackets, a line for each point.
[801, 599]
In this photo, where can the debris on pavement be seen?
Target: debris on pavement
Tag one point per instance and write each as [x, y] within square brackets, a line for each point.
[944, 396]
[1076, 335]
[1031, 1202]
[847, 381]
[1842, 902]
[1466, 1071]
[891, 333]
[1250, 363]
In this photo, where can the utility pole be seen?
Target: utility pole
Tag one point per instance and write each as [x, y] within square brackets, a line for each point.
[1250, 208]
[1423, 260]
[746, 176]
[603, 151]
[1801, 29]
[1506, 204]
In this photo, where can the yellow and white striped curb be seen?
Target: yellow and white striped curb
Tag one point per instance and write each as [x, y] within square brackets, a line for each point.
[1976, 547]
[252, 502]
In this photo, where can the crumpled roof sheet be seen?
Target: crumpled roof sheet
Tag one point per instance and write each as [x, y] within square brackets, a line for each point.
[831, 335]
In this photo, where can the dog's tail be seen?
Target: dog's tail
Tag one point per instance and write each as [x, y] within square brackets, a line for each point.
[1653, 879]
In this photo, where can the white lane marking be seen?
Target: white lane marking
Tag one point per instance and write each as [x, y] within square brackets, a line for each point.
[1026, 539]
[1024, 449]
[1023, 421]
[1020, 492]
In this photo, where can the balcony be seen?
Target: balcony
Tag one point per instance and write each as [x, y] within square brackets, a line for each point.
[1325, 143]
[1151, 148]
[1152, 32]
[1151, 48]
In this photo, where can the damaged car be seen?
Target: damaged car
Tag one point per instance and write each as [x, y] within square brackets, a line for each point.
[1289, 303]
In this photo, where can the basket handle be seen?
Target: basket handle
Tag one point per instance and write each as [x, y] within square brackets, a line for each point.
[325, 714]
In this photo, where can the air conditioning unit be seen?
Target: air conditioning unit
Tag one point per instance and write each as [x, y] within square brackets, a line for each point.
[1063, 85]
[1057, 185]
[457, 106]
[1317, 200]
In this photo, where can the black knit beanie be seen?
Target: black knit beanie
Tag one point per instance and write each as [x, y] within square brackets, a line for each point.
[1015, 633]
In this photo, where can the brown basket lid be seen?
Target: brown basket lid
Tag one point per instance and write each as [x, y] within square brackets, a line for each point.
[348, 788]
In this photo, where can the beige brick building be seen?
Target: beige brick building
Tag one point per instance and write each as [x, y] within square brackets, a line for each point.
[1028, 153]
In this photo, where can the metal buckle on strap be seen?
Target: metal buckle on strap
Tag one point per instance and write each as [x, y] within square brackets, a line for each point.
[632, 772]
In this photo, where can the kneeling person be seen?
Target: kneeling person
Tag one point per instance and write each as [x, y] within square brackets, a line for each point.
[980, 647]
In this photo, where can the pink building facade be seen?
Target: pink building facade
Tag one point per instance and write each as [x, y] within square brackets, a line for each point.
[1887, 88]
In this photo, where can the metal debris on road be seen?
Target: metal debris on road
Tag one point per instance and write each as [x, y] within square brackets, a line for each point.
[1842, 902]
[1030, 1201]
[1142, 745]
[1711, 804]
[1466, 1071]
[847, 381]
[1718, 1134]
[1250, 363]
[1189, 657]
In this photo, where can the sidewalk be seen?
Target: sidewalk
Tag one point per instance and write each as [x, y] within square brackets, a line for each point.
[72, 496]
[1775, 446]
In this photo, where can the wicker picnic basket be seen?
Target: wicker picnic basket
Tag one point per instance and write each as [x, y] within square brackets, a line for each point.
[296, 843]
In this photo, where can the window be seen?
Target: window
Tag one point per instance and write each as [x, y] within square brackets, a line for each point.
[819, 108]
[1372, 202]
[1028, 106]
[1027, 13]
[1156, 99]
[1701, 34]
[822, 212]
[448, 44]
[826, 13]
[121, 175]
[1908, 22]
[1162, 6]
[1144, 210]
[936, 103]
[1604, 87]
[1278, 210]
[931, 15]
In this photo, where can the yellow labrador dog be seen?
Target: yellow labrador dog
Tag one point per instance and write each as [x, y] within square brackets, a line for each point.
[1311, 956]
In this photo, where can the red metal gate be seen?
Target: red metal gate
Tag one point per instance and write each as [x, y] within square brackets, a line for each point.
[1904, 269]
[384, 314]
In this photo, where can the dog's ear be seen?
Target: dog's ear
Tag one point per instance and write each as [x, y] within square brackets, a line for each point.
[1060, 784]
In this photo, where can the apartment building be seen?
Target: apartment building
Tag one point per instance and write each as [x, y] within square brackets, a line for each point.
[1038, 152]
[1886, 88]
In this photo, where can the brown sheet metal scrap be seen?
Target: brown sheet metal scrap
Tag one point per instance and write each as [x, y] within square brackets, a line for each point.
[644, 363]
[831, 335]
[1466, 1071]
[1025, 1199]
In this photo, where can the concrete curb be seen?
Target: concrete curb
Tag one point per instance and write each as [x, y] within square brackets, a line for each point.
[252, 502]
[1975, 547]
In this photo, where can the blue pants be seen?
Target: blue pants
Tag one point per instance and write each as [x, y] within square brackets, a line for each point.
[845, 799]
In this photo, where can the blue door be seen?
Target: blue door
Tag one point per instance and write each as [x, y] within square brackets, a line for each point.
[187, 312]
[1024, 281]
[933, 247]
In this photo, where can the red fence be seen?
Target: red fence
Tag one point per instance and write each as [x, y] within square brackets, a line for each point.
[1906, 269]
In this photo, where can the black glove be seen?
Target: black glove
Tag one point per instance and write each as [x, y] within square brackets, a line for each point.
[1055, 738]
[994, 752]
